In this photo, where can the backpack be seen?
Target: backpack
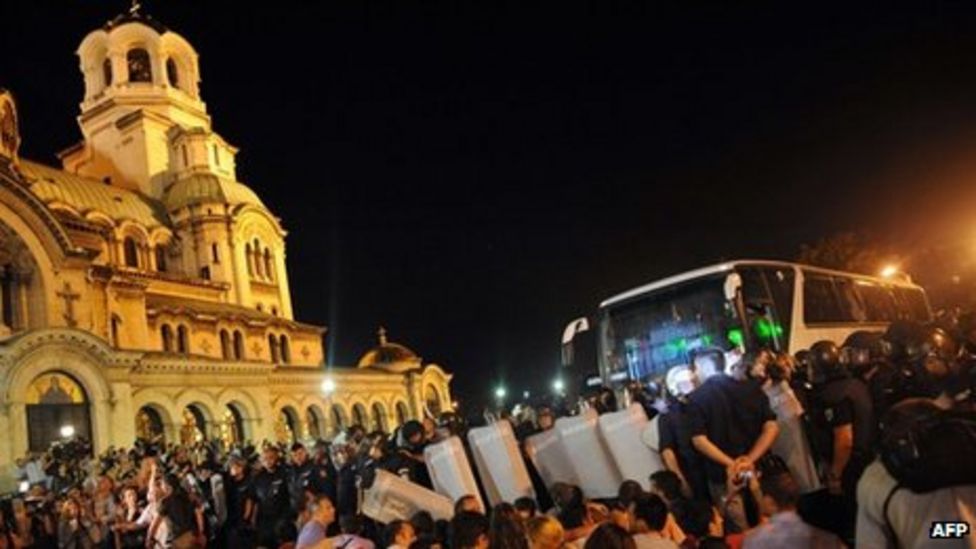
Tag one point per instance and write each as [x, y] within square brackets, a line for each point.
[937, 451]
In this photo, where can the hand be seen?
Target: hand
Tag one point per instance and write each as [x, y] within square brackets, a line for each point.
[834, 485]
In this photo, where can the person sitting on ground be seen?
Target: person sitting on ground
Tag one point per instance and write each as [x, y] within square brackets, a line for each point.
[699, 521]
[578, 524]
[468, 503]
[399, 534]
[526, 507]
[545, 532]
[506, 529]
[785, 528]
[351, 527]
[667, 485]
[313, 535]
[650, 513]
[610, 536]
[469, 530]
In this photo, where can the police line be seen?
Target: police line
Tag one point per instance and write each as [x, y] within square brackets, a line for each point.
[596, 453]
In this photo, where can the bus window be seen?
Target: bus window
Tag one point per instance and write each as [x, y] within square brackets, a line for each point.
[820, 302]
[849, 299]
[647, 336]
[772, 290]
[878, 302]
[913, 304]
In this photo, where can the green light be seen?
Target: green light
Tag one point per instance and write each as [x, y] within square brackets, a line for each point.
[767, 330]
[706, 340]
[735, 337]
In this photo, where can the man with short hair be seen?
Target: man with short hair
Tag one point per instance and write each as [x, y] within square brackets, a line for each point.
[351, 527]
[731, 421]
[785, 528]
[649, 515]
[313, 534]
[399, 534]
[272, 496]
[469, 531]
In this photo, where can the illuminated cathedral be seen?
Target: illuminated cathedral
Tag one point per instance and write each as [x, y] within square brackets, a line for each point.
[144, 289]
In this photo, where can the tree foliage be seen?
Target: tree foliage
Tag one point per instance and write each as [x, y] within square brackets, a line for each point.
[846, 251]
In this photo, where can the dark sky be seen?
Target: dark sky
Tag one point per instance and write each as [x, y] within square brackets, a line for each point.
[473, 177]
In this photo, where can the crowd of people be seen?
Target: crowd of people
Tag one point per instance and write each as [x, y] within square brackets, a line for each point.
[865, 443]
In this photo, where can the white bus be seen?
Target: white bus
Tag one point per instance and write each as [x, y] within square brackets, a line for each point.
[742, 305]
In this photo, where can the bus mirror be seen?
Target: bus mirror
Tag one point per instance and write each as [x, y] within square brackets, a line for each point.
[577, 326]
[733, 282]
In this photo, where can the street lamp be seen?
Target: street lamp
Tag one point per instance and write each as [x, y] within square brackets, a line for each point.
[525, 395]
[500, 393]
[328, 386]
[889, 271]
[67, 431]
[558, 386]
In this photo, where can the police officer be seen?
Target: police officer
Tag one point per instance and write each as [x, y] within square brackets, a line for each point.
[843, 406]
[237, 531]
[272, 496]
[677, 451]
[305, 476]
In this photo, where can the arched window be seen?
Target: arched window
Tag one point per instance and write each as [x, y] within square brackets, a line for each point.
[166, 333]
[359, 416]
[274, 311]
[258, 264]
[140, 67]
[273, 346]
[172, 74]
[250, 259]
[402, 413]
[225, 344]
[107, 72]
[186, 157]
[238, 345]
[116, 325]
[285, 349]
[160, 251]
[182, 340]
[267, 264]
[215, 252]
[131, 252]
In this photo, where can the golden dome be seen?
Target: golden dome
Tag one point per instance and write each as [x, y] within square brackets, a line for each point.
[390, 356]
[203, 188]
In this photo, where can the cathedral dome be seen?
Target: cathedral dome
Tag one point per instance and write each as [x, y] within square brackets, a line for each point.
[390, 356]
[208, 188]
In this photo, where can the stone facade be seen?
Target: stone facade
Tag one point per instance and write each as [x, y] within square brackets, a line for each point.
[155, 284]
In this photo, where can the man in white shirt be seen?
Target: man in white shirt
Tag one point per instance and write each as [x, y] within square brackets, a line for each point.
[785, 528]
[650, 513]
[907, 519]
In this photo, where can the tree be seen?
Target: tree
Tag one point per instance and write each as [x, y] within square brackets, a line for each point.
[846, 251]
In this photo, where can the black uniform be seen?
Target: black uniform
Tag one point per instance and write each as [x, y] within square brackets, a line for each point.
[674, 427]
[237, 532]
[274, 503]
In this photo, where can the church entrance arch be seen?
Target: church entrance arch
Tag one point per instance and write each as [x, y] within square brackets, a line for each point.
[57, 411]
[150, 426]
[195, 420]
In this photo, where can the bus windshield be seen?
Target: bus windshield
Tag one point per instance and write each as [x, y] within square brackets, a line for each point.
[646, 336]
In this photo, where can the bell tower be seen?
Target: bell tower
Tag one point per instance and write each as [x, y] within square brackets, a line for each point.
[142, 118]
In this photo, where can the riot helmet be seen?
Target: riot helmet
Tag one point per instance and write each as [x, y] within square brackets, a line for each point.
[824, 363]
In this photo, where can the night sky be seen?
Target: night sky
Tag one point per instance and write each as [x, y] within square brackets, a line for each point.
[473, 177]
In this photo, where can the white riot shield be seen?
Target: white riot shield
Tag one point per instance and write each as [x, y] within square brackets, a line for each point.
[500, 464]
[393, 498]
[450, 471]
[622, 434]
[591, 462]
[550, 460]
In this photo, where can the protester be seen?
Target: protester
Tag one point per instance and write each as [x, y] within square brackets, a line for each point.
[399, 534]
[610, 536]
[785, 528]
[314, 533]
[469, 530]
[650, 514]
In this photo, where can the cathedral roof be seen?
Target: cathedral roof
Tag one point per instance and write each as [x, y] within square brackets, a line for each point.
[202, 188]
[84, 195]
[390, 356]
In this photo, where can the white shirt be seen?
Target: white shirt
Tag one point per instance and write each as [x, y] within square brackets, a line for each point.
[787, 529]
[910, 515]
[791, 443]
